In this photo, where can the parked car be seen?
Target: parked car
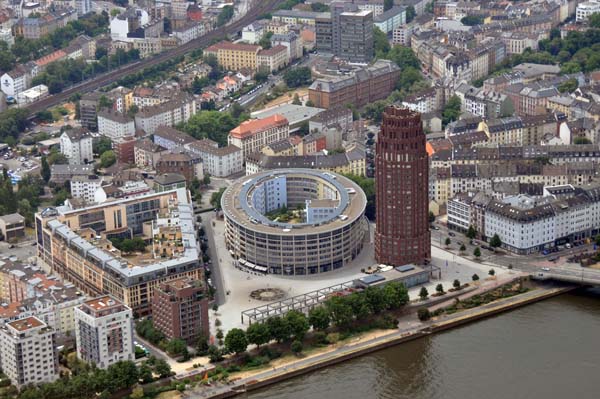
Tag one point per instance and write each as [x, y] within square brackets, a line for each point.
[546, 269]
[553, 258]
[451, 234]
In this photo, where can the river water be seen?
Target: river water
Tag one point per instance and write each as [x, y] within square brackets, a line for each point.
[546, 350]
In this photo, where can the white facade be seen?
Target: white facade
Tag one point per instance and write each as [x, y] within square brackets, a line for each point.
[104, 332]
[77, 147]
[584, 10]
[219, 162]
[459, 213]
[27, 352]
[14, 84]
[167, 114]
[252, 33]
[85, 188]
[189, 32]
[83, 7]
[115, 126]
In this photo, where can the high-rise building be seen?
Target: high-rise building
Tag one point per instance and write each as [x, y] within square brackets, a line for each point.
[180, 310]
[346, 32]
[104, 331]
[402, 232]
[27, 352]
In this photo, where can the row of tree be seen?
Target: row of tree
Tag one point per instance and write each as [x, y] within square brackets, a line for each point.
[340, 311]
[214, 125]
[91, 382]
[24, 50]
[61, 74]
[25, 200]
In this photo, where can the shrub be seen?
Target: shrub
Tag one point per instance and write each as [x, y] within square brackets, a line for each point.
[423, 314]
[320, 338]
[296, 347]
[333, 338]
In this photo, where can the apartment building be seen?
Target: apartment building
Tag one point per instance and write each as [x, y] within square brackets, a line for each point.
[273, 59]
[182, 162]
[104, 331]
[28, 352]
[67, 243]
[85, 188]
[146, 153]
[177, 110]
[76, 146]
[252, 135]
[180, 310]
[115, 125]
[170, 138]
[234, 56]
[218, 161]
[585, 9]
[12, 227]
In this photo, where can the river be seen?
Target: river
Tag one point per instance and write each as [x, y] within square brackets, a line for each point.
[546, 350]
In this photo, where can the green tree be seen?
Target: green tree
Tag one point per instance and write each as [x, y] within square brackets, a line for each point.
[451, 110]
[258, 334]
[462, 247]
[410, 14]
[439, 289]
[279, 328]
[162, 368]
[297, 77]
[395, 294]
[45, 170]
[492, 272]
[471, 232]
[176, 347]
[477, 252]
[495, 241]
[56, 158]
[472, 20]
[298, 323]
[447, 242]
[296, 100]
[236, 341]
[265, 41]
[318, 318]
[225, 15]
[102, 145]
[296, 347]
[456, 284]
[475, 277]
[581, 140]
[137, 393]
[341, 313]
[215, 199]
[568, 86]
[214, 354]
[108, 158]
[381, 43]
[423, 294]
[431, 217]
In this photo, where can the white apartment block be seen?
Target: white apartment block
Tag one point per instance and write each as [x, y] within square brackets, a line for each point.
[115, 125]
[584, 10]
[77, 146]
[85, 188]
[219, 162]
[15, 81]
[564, 214]
[166, 114]
[28, 353]
[104, 331]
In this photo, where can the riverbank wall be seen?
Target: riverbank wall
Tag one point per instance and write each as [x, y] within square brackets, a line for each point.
[436, 325]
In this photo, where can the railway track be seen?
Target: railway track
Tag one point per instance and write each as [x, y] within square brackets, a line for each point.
[258, 8]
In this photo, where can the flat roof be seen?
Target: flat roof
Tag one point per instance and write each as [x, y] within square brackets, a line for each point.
[235, 204]
[26, 323]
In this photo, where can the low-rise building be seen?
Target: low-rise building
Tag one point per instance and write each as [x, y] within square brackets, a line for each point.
[12, 227]
[170, 113]
[59, 174]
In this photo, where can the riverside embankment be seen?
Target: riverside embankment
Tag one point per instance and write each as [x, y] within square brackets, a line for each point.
[386, 339]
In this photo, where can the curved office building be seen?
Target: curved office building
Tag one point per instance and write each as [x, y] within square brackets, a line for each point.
[294, 221]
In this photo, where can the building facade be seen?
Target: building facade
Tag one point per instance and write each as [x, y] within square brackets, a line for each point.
[252, 135]
[402, 168]
[104, 332]
[180, 310]
[76, 145]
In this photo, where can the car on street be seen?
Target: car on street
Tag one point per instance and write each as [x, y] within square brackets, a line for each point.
[451, 234]
[546, 269]
[553, 258]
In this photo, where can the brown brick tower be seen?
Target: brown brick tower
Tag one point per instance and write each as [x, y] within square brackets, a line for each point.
[401, 164]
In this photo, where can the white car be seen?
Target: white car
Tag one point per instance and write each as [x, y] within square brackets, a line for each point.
[546, 269]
